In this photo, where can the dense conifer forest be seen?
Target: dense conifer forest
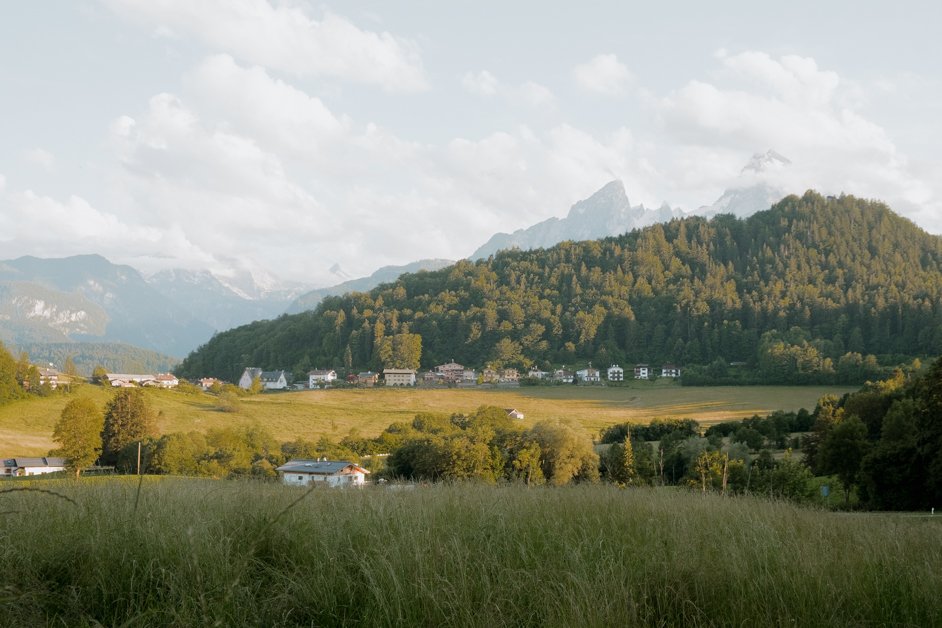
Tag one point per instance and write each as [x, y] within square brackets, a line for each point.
[814, 289]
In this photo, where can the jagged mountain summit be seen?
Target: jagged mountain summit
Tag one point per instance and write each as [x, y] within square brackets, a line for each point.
[607, 212]
[768, 161]
[754, 190]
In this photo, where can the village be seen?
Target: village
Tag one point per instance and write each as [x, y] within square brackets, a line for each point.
[449, 374]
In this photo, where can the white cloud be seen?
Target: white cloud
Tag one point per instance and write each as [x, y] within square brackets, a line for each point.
[534, 94]
[790, 104]
[284, 37]
[528, 94]
[3, 182]
[44, 226]
[481, 83]
[603, 74]
[42, 158]
[264, 108]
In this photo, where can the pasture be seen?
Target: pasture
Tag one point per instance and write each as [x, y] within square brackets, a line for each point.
[26, 426]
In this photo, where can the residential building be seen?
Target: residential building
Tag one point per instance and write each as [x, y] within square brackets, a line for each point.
[367, 378]
[469, 376]
[563, 376]
[327, 472]
[318, 378]
[125, 380]
[49, 376]
[399, 377]
[616, 373]
[451, 371]
[165, 380]
[432, 378]
[588, 375]
[15, 467]
[274, 380]
[248, 376]
[670, 370]
[642, 371]
[509, 376]
[208, 382]
[489, 375]
[535, 373]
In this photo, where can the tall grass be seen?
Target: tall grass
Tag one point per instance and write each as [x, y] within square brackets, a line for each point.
[227, 553]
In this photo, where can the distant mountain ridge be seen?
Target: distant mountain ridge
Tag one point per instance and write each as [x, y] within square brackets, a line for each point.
[309, 300]
[221, 302]
[87, 298]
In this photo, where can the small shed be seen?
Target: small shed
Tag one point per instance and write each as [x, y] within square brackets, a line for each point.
[328, 472]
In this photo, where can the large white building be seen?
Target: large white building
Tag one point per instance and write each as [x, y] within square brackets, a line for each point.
[616, 373]
[399, 377]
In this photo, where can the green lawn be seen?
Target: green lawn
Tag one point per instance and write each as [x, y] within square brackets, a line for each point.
[26, 426]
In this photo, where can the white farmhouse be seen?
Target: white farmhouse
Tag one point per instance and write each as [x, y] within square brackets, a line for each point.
[326, 472]
[14, 467]
[642, 371]
[616, 373]
[274, 380]
[248, 376]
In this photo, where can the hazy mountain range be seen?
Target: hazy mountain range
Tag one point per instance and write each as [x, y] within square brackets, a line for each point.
[88, 299]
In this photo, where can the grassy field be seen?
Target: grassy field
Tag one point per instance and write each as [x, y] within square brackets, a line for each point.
[201, 552]
[26, 427]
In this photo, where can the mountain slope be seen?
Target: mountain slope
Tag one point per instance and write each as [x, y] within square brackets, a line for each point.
[309, 300]
[214, 302]
[86, 297]
[848, 275]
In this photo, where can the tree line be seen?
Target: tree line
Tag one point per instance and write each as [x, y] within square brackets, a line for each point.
[813, 290]
[882, 444]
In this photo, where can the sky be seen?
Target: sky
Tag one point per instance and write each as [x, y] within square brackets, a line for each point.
[291, 139]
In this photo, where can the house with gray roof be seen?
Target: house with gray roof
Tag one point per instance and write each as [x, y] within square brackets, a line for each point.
[322, 471]
[17, 467]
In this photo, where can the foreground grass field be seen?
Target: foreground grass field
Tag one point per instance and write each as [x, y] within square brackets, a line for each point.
[198, 552]
[26, 426]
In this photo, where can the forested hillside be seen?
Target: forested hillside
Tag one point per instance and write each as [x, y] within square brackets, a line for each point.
[811, 289]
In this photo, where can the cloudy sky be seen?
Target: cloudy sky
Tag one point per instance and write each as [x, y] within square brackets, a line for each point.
[287, 136]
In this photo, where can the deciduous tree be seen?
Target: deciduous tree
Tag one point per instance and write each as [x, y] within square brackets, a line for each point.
[128, 419]
[78, 432]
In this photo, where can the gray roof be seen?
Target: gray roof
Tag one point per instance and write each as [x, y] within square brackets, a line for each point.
[317, 467]
[19, 463]
[272, 376]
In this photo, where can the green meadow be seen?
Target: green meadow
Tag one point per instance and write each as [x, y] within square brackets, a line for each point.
[26, 426]
[187, 552]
